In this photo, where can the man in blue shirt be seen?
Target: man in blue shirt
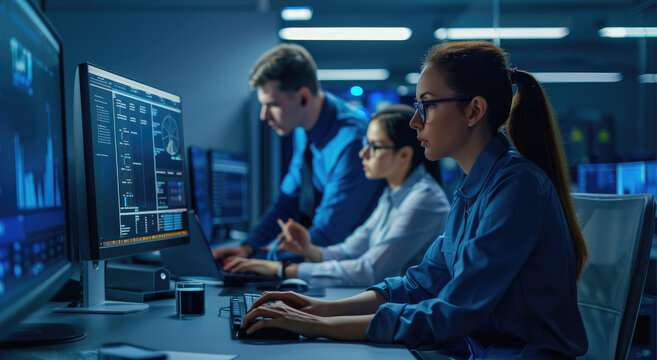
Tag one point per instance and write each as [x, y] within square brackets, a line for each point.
[325, 186]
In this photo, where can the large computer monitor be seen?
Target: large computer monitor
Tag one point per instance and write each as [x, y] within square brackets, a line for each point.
[35, 259]
[135, 166]
[134, 161]
[200, 185]
[229, 174]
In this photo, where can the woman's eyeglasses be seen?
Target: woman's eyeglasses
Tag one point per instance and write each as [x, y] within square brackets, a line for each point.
[421, 105]
[374, 147]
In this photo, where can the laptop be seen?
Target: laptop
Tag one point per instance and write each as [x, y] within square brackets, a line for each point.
[195, 259]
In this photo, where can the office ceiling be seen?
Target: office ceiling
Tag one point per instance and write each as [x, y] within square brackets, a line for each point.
[581, 50]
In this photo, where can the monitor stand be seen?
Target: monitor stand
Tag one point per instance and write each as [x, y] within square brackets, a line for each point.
[92, 274]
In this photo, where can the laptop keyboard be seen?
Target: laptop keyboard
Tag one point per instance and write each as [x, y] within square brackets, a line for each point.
[238, 307]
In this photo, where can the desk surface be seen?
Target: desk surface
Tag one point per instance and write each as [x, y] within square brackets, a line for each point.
[160, 329]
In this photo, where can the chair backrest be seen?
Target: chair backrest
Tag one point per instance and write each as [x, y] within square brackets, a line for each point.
[618, 232]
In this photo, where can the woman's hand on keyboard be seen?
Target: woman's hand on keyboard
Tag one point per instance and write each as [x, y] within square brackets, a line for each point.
[283, 316]
[297, 301]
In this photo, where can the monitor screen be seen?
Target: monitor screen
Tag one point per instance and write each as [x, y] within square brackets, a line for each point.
[596, 178]
[200, 180]
[134, 159]
[637, 177]
[229, 187]
[34, 240]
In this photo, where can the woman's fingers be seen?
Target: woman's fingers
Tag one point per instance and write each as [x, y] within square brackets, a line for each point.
[264, 311]
[263, 324]
[293, 244]
[265, 298]
[284, 317]
[289, 297]
[284, 227]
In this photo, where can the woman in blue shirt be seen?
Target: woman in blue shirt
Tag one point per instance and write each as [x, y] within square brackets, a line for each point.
[501, 281]
[410, 214]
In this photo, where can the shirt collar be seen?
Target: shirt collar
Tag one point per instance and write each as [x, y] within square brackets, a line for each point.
[471, 183]
[398, 195]
[320, 130]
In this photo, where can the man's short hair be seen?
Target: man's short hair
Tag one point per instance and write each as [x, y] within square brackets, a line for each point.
[290, 64]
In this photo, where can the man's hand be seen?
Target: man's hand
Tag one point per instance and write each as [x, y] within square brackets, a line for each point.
[263, 267]
[244, 250]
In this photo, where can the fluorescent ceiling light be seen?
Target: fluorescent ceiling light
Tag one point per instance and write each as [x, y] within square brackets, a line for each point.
[412, 78]
[296, 13]
[353, 74]
[502, 33]
[648, 78]
[623, 32]
[345, 33]
[578, 77]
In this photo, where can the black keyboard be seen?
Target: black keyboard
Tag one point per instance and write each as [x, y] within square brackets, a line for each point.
[238, 307]
[241, 278]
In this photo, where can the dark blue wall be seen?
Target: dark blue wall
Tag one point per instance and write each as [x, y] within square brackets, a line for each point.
[204, 56]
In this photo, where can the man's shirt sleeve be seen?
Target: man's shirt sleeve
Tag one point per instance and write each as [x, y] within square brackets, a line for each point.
[347, 200]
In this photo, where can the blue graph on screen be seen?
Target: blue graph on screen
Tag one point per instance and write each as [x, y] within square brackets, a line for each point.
[32, 191]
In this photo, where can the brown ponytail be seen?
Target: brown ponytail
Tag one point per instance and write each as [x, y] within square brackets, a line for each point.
[533, 131]
[479, 68]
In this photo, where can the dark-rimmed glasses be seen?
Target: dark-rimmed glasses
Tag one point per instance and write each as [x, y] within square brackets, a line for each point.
[373, 147]
[420, 105]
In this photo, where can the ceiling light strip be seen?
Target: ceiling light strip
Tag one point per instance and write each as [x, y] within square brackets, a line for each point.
[578, 77]
[502, 33]
[625, 32]
[648, 78]
[346, 33]
[352, 74]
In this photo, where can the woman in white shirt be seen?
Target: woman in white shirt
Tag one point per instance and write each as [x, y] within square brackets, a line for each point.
[410, 214]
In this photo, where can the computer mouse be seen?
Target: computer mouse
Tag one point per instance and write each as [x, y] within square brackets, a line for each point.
[293, 284]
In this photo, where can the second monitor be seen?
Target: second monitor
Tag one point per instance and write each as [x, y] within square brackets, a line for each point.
[229, 178]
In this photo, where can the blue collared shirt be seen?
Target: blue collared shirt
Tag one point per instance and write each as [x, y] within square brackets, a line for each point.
[345, 198]
[401, 227]
[501, 277]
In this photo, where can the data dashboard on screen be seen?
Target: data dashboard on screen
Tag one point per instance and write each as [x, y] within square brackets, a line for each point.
[229, 178]
[135, 161]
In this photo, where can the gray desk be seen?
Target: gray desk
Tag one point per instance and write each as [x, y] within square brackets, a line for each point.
[159, 328]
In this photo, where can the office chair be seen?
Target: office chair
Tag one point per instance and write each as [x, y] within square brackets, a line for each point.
[618, 233]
